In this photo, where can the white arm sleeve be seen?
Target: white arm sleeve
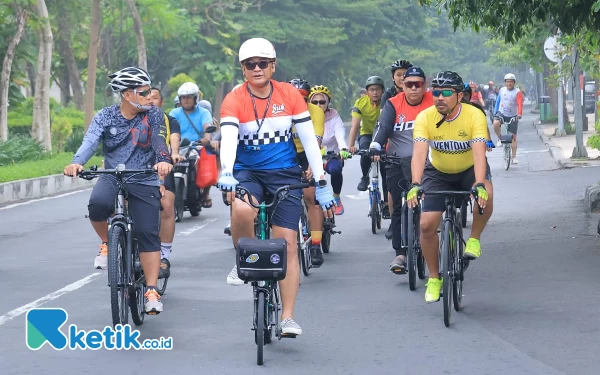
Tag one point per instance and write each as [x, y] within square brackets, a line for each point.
[340, 133]
[229, 142]
[306, 133]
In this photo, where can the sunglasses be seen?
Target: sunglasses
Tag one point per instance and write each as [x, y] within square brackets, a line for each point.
[143, 93]
[251, 65]
[413, 85]
[316, 102]
[445, 93]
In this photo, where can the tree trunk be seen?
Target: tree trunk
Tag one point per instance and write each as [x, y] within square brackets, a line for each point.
[139, 33]
[41, 104]
[220, 94]
[66, 51]
[92, 63]
[21, 17]
[31, 75]
[63, 84]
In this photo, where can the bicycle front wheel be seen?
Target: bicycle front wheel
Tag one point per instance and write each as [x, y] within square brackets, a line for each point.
[259, 334]
[119, 296]
[507, 156]
[411, 254]
[446, 272]
[136, 291]
[457, 284]
[374, 213]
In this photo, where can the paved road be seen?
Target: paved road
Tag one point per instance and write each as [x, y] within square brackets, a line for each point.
[531, 302]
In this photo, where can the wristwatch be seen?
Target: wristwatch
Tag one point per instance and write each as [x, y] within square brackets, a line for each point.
[321, 183]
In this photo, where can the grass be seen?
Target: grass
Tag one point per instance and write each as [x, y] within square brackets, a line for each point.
[40, 168]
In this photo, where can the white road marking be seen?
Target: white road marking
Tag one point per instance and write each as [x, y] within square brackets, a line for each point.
[196, 227]
[360, 196]
[54, 295]
[42, 199]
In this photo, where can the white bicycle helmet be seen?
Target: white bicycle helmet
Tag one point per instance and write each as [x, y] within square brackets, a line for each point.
[257, 47]
[510, 76]
[129, 78]
[189, 88]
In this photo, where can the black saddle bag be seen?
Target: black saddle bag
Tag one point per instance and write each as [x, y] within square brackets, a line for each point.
[261, 260]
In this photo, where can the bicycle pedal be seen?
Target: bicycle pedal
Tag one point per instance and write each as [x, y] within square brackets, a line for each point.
[336, 232]
[288, 336]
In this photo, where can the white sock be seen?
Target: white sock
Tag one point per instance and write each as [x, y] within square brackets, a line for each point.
[165, 249]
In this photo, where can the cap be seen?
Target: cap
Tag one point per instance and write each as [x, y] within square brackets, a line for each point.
[414, 71]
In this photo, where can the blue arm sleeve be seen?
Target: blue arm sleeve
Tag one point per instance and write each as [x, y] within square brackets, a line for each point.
[497, 103]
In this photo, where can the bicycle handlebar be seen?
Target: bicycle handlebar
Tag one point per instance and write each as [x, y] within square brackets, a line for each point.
[512, 119]
[94, 172]
[473, 192]
[334, 155]
[280, 194]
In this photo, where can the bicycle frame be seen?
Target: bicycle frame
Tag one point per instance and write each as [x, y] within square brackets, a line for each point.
[122, 218]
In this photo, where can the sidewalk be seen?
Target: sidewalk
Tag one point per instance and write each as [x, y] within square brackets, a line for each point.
[562, 147]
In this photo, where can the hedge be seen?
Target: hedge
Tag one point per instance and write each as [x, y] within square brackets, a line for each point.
[40, 168]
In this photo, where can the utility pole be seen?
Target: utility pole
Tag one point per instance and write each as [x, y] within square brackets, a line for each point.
[579, 151]
[561, 118]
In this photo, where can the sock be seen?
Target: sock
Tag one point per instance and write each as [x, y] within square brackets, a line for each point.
[165, 249]
[316, 236]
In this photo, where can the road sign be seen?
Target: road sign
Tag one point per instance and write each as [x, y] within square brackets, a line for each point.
[553, 49]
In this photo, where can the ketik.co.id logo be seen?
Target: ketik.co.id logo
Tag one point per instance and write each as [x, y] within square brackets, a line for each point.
[43, 326]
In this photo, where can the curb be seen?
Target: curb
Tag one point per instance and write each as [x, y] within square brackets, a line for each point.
[40, 187]
[555, 151]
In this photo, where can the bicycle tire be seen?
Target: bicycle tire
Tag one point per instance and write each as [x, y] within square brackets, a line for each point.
[326, 240]
[271, 315]
[507, 156]
[136, 291]
[119, 293]
[457, 282]
[161, 286]
[411, 254]
[447, 274]
[304, 248]
[379, 213]
[179, 204]
[259, 334]
[373, 213]
[419, 251]
[463, 214]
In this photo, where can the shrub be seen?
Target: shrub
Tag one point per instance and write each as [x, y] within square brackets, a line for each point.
[61, 130]
[594, 141]
[179, 80]
[40, 168]
[569, 128]
[21, 148]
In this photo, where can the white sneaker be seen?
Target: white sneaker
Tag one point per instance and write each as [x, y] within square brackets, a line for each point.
[515, 161]
[101, 260]
[499, 144]
[233, 278]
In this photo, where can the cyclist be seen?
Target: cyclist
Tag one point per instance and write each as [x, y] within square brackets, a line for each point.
[171, 134]
[476, 96]
[395, 127]
[315, 215]
[509, 104]
[467, 91]
[398, 67]
[490, 96]
[457, 135]
[194, 120]
[256, 153]
[334, 140]
[364, 117]
[130, 135]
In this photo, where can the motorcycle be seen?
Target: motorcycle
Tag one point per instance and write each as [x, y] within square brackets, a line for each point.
[187, 194]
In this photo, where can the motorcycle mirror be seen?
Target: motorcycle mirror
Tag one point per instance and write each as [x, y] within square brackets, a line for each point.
[184, 142]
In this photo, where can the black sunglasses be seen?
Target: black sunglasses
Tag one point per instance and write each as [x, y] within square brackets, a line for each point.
[262, 64]
[143, 93]
[411, 85]
[316, 102]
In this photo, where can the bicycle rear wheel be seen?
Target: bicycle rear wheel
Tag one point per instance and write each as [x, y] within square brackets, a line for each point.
[119, 296]
[457, 283]
[446, 272]
[259, 333]
[304, 247]
[136, 291]
[411, 254]
[273, 309]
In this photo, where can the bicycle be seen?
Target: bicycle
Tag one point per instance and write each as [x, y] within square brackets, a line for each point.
[329, 223]
[451, 250]
[304, 241]
[507, 139]
[125, 273]
[411, 230]
[375, 202]
[263, 262]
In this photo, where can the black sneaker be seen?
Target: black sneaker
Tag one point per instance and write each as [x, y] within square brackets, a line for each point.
[363, 184]
[316, 255]
[165, 269]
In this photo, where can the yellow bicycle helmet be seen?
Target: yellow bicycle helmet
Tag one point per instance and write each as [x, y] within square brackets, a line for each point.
[319, 89]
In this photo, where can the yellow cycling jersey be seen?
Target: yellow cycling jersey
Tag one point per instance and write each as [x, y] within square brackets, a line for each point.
[165, 132]
[317, 116]
[367, 112]
[451, 142]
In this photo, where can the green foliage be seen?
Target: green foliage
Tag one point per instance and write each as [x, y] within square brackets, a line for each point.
[597, 127]
[569, 128]
[20, 148]
[179, 80]
[40, 168]
[594, 141]
[61, 131]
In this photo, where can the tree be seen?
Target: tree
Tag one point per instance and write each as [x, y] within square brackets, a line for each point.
[92, 63]
[20, 15]
[139, 34]
[41, 107]
[66, 51]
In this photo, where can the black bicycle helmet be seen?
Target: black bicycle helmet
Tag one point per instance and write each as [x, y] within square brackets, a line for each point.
[400, 64]
[448, 79]
[467, 88]
[375, 80]
[300, 84]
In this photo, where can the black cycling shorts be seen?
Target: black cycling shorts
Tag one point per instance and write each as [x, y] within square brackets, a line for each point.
[144, 207]
[513, 127]
[170, 182]
[302, 161]
[434, 180]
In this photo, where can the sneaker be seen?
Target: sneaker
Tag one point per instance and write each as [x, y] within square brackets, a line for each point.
[233, 278]
[386, 211]
[473, 249]
[227, 229]
[398, 265]
[316, 255]
[101, 260]
[499, 144]
[434, 286]
[339, 207]
[152, 304]
[165, 269]
[290, 327]
[515, 161]
[389, 233]
[363, 184]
